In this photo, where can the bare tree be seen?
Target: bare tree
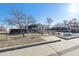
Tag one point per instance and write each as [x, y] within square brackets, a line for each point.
[19, 19]
[65, 23]
[16, 19]
[73, 24]
[2, 28]
[28, 20]
[49, 21]
[58, 25]
[75, 21]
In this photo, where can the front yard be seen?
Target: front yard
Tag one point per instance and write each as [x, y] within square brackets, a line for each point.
[13, 40]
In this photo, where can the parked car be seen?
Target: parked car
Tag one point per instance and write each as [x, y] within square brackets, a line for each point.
[67, 33]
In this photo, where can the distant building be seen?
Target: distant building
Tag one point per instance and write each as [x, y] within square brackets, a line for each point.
[60, 29]
[16, 31]
[74, 27]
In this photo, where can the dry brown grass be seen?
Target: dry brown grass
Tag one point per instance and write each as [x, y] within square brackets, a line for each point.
[13, 40]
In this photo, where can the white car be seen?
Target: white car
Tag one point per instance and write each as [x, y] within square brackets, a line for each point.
[67, 33]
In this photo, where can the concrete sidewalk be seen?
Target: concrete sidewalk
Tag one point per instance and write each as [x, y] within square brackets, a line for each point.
[65, 46]
[41, 50]
[50, 38]
[72, 53]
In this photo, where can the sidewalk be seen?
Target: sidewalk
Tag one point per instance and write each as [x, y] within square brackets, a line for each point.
[72, 53]
[51, 38]
[65, 46]
[41, 50]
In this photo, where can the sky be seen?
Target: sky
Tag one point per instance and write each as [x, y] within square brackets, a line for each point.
[40, 11]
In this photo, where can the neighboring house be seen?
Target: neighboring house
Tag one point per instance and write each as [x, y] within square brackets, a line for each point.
[60, 29]
[16, 31]
[33, 28]
[74, 27]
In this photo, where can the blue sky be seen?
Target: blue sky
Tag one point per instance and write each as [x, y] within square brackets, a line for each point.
[57, 11]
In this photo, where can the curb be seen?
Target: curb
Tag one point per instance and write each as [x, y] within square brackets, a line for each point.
[26, 46]
[67, 38]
